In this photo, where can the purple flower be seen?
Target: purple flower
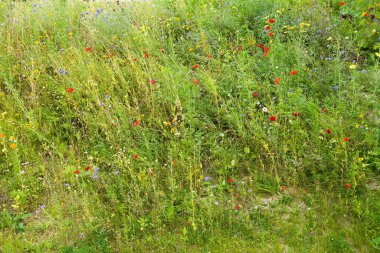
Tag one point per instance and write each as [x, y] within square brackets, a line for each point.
[207, 178]
[335, 87]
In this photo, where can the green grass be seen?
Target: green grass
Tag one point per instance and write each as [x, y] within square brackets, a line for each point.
[161, 137]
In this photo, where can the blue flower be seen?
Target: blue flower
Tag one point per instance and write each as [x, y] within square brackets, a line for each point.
[207, 178]
[335, 87]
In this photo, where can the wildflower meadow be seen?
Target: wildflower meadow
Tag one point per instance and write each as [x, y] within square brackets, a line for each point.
[189, 126]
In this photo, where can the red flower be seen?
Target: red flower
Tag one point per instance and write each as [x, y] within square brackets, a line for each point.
[209, 56]
[88, 49]
[237, 207]
[272, 118]
[266, 49]
[293, 72]
[152, 81]
[111, 55]
[346, 139]
[283, 187]
[328, 131]
[230, 180]
[277, 80]
[146, 55]
[267, 27]
[342, 3]
[255, 94]
[196, 66]
[270, 34]
[348, 186]
[195, 81]
[135, 156]
[260, 45]
[365, 14]
[88, 168]
[76, 172]
[271, 20]
[296, 114]
[137, 123]
[69, 90]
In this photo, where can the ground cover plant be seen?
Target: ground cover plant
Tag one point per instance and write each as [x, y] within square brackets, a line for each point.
[189, 126]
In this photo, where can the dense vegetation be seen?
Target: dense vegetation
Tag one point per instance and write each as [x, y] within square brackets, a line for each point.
[189, 126]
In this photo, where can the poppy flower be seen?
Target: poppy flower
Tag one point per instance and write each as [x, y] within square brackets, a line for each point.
[266, 49]
[296, 114]
[270, 34]
[328, 131]
[152, 81]
[135, 156]
[365, 14]
[271, 21]
[255, 94]
[277, 80]
[230, 180]
[348, 186]
[137, 123]
[88, 49]
[260, 45]
[88, 168]
[146, 55]
[293, 72]
[196, 66]
[209, 56]
[342, 3]
[77, 172]
[272, 118]
[111, 55]
[195, 81]
[267, 27]
[69, 90]
[283, 187]
[346, 139]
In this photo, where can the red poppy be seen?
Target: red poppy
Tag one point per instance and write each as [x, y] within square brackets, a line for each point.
[265, 54]
[230, 180]
[111, 55]
[255, 94]
[328, 131]
[240, 48]
[77, 172]
[365, 14]
[135, 156]
[266, 49]
[69, 90]
[277, 80]
[260, 45]
[271, 20]
[267, 27]
[283, 187]
[348, 186]
[342, 3]
[346, 139]
[196, 66]
[195, 81]
[88, 168]
[88, 49]
[146, 55]
[270, 34]
[296, 114]
[293, 72]
[137, 123]
[209, 56]
[152, 81]
[272, 118]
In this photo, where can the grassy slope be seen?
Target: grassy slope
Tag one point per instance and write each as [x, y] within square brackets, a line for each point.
[188, 131]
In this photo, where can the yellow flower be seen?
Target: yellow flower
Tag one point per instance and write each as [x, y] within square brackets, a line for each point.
[353, 66]
[356, 126]
[13, 145]
[361, 115]
[360, 159]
